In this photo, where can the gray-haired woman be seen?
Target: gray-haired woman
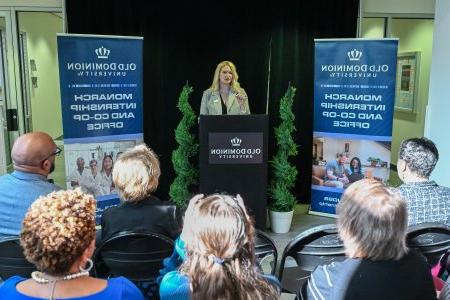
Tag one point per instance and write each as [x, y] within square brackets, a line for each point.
[372, 223]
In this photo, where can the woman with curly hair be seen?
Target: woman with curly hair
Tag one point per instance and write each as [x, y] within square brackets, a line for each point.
[58, 238]
[220, 254]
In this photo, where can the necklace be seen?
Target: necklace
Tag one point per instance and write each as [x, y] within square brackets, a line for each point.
[43, 278]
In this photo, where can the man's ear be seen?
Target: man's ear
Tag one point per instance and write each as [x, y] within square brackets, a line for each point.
[46, 165]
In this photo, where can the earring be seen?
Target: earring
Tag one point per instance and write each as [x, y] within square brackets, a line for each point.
[89, 268]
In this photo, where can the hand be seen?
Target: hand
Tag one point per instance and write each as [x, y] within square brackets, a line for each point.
[343, 179]
[241, 98]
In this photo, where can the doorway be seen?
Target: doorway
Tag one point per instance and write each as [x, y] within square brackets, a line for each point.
[29, 81]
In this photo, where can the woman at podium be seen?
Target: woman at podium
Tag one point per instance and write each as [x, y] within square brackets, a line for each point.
[225, 95]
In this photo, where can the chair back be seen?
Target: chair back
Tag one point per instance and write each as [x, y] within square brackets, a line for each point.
[319, 245]
[12, 260]
[431, 239]
[266, 252]
[136, 256]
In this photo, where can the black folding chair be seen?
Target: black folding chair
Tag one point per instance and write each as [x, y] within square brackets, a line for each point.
[266, 252]
[316, 246]
[430, 239]
[136, 256]
[12, 260]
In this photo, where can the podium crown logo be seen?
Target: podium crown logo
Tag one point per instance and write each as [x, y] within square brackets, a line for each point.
[236, 142]
[102, 52]
[354, 54]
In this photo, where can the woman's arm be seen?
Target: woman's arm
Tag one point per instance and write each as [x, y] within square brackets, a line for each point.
[203, 105]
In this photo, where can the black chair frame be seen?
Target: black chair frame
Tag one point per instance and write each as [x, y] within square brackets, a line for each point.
[265, 246]
[305, 243]
[12, 259]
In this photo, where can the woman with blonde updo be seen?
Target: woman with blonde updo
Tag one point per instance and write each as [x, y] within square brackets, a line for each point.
[58, 238]
[136, 176]
[220, 254]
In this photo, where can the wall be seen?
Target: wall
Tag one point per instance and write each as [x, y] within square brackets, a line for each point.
[398, 6]
[32, 3]
[414, 35]
[373, 28]
[438, 114]
[41, 29]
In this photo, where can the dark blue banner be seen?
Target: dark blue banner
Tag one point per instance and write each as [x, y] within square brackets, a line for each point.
[354, 94]
[101, 85]
[354, 87]
[101, 99]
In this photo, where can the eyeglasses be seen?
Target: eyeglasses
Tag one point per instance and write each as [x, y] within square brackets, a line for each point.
[56, 153]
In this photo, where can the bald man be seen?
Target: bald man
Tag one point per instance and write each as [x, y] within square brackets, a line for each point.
[33, 156]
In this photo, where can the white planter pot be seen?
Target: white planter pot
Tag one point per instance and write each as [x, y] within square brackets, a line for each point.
[281, 221]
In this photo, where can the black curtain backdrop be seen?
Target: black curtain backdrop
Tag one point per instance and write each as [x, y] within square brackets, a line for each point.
[184, 41]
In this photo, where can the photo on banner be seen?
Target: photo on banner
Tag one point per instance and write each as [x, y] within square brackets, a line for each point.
[354, 94]
[87, 165]
[101, 97]
[360, 159]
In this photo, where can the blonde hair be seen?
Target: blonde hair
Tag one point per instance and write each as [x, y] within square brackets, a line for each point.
[234, 81]
[136, 173]
[220, 259]
[57, 229]
[372, 221]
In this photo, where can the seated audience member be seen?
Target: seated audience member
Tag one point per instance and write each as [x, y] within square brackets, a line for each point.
[136, 176]
[58, 238]
[372, 223]
[335, 171]
[220, 258]
[33, 155]
[425, 199]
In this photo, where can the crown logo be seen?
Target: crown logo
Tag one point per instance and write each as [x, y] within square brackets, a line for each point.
[236, 142]
[354, 54]
[102, 52]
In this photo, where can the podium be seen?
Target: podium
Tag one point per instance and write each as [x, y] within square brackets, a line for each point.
[233, 159]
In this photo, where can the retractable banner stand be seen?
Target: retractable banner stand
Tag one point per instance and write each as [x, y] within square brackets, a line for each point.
[354, 93]
[101, 100]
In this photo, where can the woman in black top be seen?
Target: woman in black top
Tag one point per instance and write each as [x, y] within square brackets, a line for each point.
[136, 175]
[372, 222]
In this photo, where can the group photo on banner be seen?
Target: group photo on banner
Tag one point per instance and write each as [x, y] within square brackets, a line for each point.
[354, 95]
[101, 95]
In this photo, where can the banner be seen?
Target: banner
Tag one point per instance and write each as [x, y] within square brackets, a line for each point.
[354, 94]
[101, 100]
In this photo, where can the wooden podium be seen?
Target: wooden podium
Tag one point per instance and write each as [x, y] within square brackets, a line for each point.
[233, 159]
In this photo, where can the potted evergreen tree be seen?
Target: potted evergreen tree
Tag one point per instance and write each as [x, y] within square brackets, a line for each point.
[186, 173]
[283, 173]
